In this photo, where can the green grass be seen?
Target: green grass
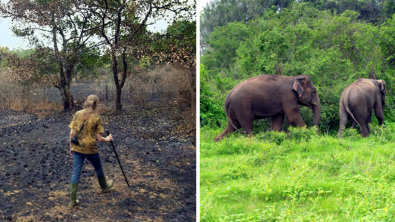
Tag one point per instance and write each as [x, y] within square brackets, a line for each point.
[298, 176]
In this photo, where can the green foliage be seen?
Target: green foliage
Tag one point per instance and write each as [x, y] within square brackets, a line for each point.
[383, 134]
[273, 137]
[221, 12]
[351, 134]
[299, 174]
[225, 40]
[302, 133]
[4, 54]
[209, 106]
[294, 133]
[23, 53]
[90, 63]
[181, 34]
[333, 49]
[145, 62]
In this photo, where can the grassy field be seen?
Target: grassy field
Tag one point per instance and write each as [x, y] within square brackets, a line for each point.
[298, 176]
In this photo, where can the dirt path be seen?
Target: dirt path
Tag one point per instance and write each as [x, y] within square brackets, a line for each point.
[36, 167]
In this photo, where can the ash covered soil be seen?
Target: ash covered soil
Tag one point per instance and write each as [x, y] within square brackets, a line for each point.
[157, 155]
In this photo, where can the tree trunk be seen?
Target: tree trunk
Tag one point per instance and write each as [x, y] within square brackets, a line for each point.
[119, 85]
[106, 93]
[65, 81]
[118, 105]
[69, 101]
[64, 77]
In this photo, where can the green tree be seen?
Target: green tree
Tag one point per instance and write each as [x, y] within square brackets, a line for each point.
[221, 12]
[223, 43]
[178, 44]
[210, 111]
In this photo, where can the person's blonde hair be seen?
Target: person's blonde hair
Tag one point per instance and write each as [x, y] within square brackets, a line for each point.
[90, 105]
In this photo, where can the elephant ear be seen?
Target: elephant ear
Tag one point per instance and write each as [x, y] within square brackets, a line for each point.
[299, 86]
[381, 84]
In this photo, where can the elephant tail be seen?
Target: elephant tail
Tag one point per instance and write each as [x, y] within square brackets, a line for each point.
[228, 115]
[345, 104]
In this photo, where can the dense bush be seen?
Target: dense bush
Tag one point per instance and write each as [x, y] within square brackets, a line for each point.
[333, 49]
[210, 111]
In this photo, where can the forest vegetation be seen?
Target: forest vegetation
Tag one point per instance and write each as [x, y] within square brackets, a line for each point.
[333, 48]
[298, 174]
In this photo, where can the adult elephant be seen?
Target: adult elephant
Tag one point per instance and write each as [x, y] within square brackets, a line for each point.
[358, 100]
[273, 96]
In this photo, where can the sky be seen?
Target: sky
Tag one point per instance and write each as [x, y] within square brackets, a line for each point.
[8, 39]
[201, 4]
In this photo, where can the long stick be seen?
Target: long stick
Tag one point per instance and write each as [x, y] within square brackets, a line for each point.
[119, 162]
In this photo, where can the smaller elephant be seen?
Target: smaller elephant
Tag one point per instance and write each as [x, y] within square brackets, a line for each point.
[357, 102]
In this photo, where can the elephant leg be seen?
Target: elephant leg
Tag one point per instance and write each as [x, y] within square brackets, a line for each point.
[246, 124]
[277, 122]
[294, 117]
[343, 120]
[369, 119]
[363, 116]
[380, 115]
[379, 110]
[364, 128]
[229, 129]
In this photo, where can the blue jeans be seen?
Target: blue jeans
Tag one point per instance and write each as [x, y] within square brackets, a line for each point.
[78, 163]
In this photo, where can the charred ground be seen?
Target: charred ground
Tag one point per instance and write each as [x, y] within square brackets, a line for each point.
[158, 156]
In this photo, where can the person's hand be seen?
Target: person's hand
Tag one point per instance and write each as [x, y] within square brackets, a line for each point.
[109, 138]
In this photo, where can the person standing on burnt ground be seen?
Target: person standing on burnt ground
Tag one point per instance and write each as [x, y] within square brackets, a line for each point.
[85, 124]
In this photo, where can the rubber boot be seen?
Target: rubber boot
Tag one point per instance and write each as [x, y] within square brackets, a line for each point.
[104, 184]
[73, 195]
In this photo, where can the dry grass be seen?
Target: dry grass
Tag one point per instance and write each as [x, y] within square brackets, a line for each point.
[8, 90]
[166, 86]
[14, 96]
[187, 122]
[104, 88]
[175, 86]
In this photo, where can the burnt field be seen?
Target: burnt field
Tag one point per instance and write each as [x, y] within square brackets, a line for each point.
[156, 151]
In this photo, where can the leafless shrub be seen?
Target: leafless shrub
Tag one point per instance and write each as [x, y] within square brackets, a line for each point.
[179, 84]
[10, 91]
[104, 89]
[173, 85]
[15, 96]
[140, 91]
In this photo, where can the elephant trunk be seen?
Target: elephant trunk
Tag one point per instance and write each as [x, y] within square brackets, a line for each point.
[316, 114]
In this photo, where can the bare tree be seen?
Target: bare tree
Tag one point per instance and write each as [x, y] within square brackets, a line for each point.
[123, 26]
[64, 24]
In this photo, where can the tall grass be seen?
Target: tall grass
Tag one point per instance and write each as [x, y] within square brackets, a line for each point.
[19, 97]
[175, 86]
[298, 176]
